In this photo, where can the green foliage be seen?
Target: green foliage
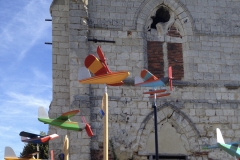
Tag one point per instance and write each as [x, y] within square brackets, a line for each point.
[31, 148]
[42, 133]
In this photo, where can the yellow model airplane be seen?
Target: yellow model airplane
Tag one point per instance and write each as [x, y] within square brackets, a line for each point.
[102, 74]
[10, 155]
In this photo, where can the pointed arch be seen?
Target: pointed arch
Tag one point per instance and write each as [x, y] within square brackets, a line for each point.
[168, 113]
[149, 7]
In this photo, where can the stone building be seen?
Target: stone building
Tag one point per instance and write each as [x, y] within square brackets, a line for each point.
[199, 38]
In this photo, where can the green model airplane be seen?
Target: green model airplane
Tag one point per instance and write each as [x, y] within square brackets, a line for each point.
[62, 121]
[231, 148]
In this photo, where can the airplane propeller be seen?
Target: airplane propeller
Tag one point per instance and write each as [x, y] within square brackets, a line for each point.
[170, 77]
[102, 59]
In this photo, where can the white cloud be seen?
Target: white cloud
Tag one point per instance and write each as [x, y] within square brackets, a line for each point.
[39, 75]
[24, 86]
[25, 28]
[28, 100]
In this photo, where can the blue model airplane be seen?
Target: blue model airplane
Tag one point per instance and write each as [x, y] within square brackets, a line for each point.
[147, 79]
[231, 148]
[36, 138]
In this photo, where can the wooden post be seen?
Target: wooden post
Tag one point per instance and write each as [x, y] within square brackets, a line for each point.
[105, 135]
[52, 155]
[38, 151]
[65, 148]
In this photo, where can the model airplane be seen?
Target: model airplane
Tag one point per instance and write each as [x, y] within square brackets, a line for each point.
[102, 74]
[62, 121]
[35, 138]
[231, 148]
[10, 155]
[147, 79]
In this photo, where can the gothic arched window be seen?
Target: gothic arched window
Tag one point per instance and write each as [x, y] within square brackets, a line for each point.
[164, 44]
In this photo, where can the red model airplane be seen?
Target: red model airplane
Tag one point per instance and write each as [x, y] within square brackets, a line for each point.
[102, 74]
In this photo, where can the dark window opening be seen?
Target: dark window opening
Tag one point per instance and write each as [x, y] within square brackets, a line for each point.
[162, 15]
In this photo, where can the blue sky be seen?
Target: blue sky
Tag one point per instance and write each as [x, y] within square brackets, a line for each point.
[25, 68]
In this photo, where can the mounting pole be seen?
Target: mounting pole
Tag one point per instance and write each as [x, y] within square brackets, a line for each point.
[155, 126]
[37, 151]
[105, 135]
[66, 148]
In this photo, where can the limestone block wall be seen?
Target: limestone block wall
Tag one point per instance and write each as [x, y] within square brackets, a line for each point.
[205, 97]
[69, 50]
[60, 57]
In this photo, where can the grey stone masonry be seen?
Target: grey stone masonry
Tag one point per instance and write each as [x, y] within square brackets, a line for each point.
[206, 98]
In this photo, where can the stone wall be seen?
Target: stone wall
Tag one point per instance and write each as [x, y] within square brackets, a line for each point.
[201, 38]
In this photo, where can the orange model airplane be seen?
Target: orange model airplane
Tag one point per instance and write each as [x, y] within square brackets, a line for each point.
[101, 72]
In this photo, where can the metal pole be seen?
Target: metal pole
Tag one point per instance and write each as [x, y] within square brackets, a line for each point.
[155, 126]
[105, 136]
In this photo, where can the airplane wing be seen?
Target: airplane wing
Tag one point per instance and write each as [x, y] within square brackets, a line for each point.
[147, 76]
[48, 138]
[93, 64]
[29, 135]
[67, 115]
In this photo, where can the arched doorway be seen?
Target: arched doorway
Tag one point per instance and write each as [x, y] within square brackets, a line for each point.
[178, 136]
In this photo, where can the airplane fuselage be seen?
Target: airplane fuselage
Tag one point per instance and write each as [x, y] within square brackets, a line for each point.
[64, 124]
[110, 78]
[231, 149]
[33, 140]
[155, 83]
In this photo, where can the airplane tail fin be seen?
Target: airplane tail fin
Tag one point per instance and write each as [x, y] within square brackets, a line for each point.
[147, 76]
[23, 138]
[219, 136]
[83, 73]
[42, 113]
[9, 152]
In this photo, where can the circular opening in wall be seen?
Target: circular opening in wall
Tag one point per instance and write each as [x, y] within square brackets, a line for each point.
[162, 15]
